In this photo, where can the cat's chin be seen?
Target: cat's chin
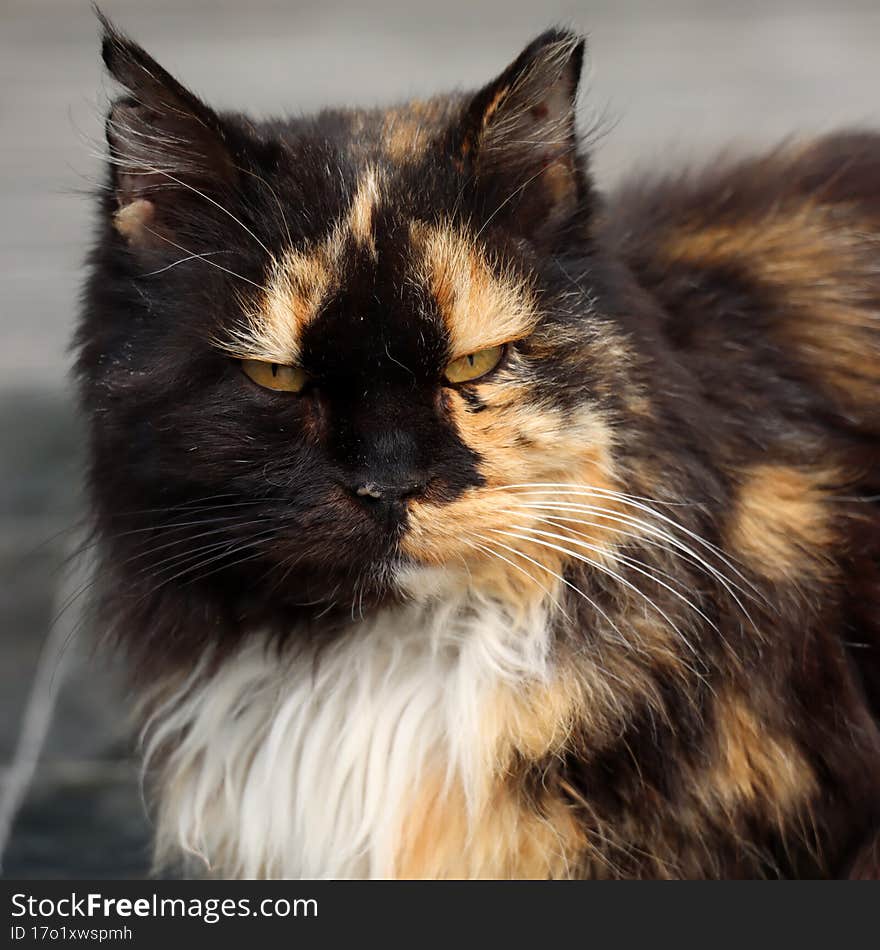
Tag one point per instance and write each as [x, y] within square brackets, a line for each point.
[322, 593]
[424, 582]
[398, 581]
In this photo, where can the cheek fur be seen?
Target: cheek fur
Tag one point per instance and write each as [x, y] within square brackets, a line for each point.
[499, 531]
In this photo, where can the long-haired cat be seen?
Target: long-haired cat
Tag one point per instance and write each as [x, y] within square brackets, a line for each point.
[461, 520]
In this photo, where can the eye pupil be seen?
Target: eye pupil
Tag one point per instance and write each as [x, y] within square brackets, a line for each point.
[274, 369]
[471, 358]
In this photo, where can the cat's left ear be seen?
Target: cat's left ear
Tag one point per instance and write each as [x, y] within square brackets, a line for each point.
[518, 137]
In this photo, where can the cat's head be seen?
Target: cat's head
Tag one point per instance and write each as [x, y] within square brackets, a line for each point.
[320, 351]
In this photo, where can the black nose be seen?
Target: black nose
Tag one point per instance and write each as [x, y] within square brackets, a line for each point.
[388, 499]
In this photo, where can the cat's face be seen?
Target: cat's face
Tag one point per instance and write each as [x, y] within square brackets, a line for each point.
[319, 352]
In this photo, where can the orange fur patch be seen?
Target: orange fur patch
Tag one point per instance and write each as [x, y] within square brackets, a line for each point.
[494, 104]
[363, 206]
[492, 529]
[297, 287]
[535, 720]
[133, 222]
[824, 265]
[782, 523]
[753, 764]
[403, 138]
[481, 306]
[408, 130]
[503, 835]
[559, 183]
[301, 280]
[509, 839]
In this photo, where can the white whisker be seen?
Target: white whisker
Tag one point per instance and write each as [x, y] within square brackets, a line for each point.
[274, 194]
[563, 580]
[183, 260]
[605, 570]
[632, 500]
[563, 523]
[630, 562]
[185, 250]
[655, 531]
[147, 169]
[522, 570]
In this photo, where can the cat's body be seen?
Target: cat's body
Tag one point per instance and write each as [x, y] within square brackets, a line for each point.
[622, 615]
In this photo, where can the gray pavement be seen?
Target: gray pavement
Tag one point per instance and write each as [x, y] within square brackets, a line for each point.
[676, 80]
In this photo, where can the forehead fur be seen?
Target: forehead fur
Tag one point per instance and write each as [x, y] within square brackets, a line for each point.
[407, 130]
[301, 280]
[481, 305]
[481, 302]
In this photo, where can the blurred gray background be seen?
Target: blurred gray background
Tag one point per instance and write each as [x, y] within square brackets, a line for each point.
[675, 80]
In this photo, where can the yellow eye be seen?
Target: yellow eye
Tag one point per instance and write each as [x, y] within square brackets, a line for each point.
[287, 379]
[474, 365]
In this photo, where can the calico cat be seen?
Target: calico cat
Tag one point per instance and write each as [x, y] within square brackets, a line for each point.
[461, 520]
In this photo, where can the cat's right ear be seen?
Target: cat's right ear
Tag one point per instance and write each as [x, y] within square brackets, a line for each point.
[167, 148]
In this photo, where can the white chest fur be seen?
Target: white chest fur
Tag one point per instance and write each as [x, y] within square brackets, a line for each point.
[302, 763]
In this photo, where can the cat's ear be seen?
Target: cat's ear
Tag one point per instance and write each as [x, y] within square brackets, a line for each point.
[518, 136]
[167, 148]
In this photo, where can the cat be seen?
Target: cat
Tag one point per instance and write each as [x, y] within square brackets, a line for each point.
[460, 520]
